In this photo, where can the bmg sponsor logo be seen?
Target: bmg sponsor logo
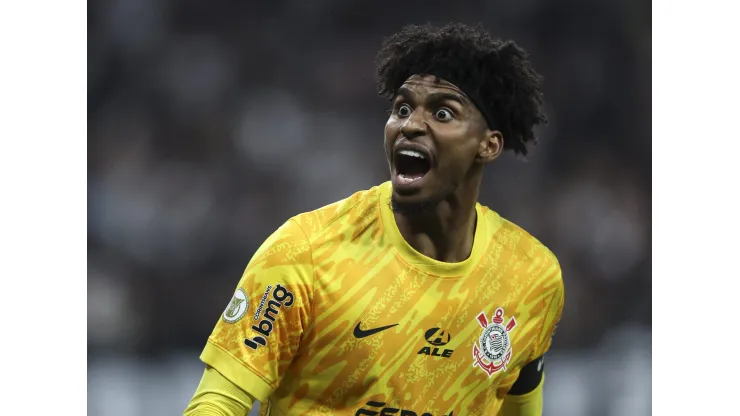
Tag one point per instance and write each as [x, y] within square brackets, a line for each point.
[373, 408]
[281, 297]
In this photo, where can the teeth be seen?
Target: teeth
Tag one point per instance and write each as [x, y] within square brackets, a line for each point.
[412, 153]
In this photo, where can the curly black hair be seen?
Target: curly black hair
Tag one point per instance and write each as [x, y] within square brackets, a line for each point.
[495, 74]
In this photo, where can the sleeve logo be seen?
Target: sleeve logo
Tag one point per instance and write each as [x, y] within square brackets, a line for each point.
[493, 350]
[237, 307]
[281, 298]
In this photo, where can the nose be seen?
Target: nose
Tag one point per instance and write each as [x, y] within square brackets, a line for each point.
[415, 125]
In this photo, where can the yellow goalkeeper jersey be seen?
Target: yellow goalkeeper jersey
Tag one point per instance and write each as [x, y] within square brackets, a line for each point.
[337, 315]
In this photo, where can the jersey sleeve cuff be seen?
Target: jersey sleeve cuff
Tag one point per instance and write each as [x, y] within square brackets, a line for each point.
[236, 371]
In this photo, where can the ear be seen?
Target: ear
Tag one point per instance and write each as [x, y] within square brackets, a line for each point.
[490, 147]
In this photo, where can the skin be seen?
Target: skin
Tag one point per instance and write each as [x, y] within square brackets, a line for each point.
[435, 116]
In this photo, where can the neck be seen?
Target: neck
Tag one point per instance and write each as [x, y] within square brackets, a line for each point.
[447, 232]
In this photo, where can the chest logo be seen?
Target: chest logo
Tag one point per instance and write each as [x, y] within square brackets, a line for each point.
[359, 333]
[438, 338]
[493, 350]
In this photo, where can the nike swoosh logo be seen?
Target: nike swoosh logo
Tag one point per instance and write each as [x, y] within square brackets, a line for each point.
[359, 333]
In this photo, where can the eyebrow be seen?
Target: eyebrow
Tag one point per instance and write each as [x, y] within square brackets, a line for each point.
[406, 93]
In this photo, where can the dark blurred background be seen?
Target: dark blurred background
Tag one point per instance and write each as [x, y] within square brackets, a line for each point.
[212, 122]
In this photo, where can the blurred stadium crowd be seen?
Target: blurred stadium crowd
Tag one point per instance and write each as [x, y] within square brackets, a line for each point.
[212, 122]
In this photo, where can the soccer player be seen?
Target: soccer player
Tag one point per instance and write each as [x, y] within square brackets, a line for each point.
[409, 298]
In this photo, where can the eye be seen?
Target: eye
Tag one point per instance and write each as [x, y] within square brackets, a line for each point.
[404, 110]
[443, 114]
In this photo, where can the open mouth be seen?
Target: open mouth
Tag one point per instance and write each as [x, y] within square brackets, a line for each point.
[411, 165]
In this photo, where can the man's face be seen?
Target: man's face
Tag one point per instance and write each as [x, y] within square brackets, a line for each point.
[433, 138]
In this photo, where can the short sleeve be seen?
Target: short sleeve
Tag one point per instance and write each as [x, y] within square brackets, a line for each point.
[260, 331]
[554, 300]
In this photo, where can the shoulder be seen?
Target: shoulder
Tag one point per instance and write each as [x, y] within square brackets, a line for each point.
[345, 215]
[542, 265]
[294, 241]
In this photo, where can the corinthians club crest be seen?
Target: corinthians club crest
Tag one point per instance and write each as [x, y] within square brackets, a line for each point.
[492, 352]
